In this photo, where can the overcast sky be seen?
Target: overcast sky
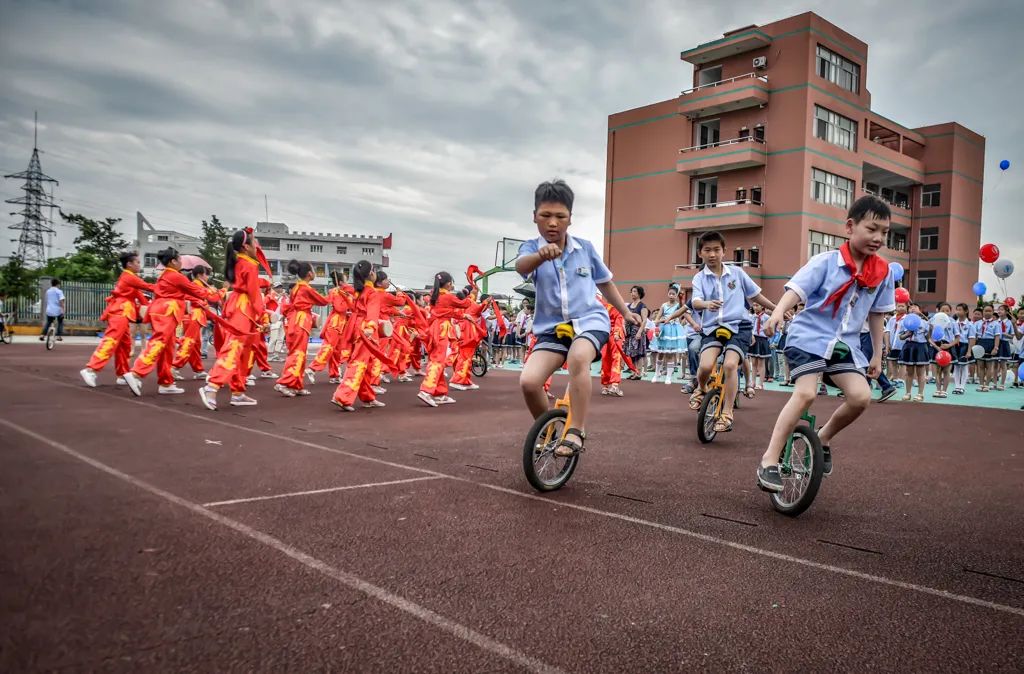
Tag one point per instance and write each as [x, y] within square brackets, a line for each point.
[433, 119]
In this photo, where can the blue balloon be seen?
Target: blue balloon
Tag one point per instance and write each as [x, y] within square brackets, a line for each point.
[938, 333]
[1020, 372]
[979, 289]
[897, 271]
[1005, 164]
[912, 322]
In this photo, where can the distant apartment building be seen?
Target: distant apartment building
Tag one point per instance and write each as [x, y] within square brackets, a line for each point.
[772, 143]
[326, 252]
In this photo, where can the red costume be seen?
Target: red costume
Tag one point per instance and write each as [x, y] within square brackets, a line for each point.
[362, 332]
[442, 332]
[331, 350]
[122, 309]
[300, 325]
[470, 336]
[245, 313]
[190, 348]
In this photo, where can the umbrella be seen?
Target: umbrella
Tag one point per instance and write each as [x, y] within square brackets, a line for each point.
[193, 261]
[526, 289]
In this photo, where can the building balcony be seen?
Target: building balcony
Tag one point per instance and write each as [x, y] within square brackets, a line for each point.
[727, 155]
[880, 158]
[735, 93]
[743, 40]
[721, 215]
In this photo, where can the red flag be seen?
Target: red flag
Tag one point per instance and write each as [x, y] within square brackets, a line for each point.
[472, 271]
[388, 241]
[502, 325]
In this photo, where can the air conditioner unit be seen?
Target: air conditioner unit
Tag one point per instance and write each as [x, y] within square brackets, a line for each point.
[761, 62]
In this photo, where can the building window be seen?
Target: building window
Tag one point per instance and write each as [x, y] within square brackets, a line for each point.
[316, 248]
[833, 128]
[828, 188]
[819, 242]
[162, 237]
[926, 281]
[367, 251]
[755, 195]
[931, 195]
[929, 238]
[755, 257]
[737, 256]
[901, 200]
[759, 133]
[270, 244]
[841, 72]
[149, 260]
[342, 250]
[292, 247]
[896, 241]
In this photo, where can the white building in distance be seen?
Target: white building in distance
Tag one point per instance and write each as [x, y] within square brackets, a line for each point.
[326, 252]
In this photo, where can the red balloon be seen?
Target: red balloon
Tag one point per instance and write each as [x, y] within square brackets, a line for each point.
[902, 295]
[1010, 302]
[942, 358]
[989, 253]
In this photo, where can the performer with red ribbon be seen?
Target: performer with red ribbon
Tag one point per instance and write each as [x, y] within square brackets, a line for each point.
[444, 305]
[341, 298]
[190, 347]
[300, 321]
[612, 354]
[470, 335]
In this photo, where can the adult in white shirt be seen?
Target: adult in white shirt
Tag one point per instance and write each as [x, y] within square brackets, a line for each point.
[54, 306]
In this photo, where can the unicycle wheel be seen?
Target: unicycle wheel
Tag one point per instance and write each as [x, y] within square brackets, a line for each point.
[544, 470]
[801, 473]
[479, 362]
[706, 416]
[51, 340]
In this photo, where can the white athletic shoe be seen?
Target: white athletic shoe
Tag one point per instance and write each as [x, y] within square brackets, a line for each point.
[374, 403]
[200, 375]
[171, 390]
[134, 384]
[472, 387]
[121, 381]
[177, 375]
[427, 398]
[445, 400]
[459, 387]
[379, 390]
[385, 378]
[311, 376]
[250, 381]
[209, 398]
[268, 374]
[89, 376]
[334, 380]
[284, 390]
[242, 400]
[303, 392]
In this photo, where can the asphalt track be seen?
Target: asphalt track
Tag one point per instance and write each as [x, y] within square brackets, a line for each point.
[151, 534]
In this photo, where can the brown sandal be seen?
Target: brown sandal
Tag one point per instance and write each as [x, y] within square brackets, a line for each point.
[723, 424]
[567, 447]
[696, 399]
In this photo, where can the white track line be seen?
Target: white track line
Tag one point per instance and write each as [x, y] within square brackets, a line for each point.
[808, 563]
[328, 490]
[354, 582]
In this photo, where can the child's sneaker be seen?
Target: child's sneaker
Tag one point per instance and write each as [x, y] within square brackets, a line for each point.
[445, 400]
[826, 460]
[170, 390]
[284, 390]
[769, 478]
[268, 374]
[427, 398]
[334, 380]
[209, 397]
[373, 403]
[89, 376]
[242, 400]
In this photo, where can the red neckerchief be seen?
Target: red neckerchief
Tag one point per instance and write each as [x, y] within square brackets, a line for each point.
[874, 270]
[757, 330]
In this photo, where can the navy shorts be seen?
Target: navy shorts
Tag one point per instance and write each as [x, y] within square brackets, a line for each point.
[803, 362]
[551, 342]
[739, 342]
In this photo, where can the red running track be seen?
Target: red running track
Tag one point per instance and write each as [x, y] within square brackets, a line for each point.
[152, 534]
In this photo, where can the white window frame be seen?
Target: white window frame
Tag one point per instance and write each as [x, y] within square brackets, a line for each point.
[931, 234]
[839, 130]
[840, 71]
[933, 277]
[926, 195]
[820, 242]
[291, 247]
[831, 189]
[316, 248]
[342, 250]
[368, 251]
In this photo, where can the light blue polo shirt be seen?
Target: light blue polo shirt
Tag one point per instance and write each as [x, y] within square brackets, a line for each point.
[966, 330]
[734, 288]
[814, 330]
[949, 332]
[567, 287]
[988, 329]
[894, 327]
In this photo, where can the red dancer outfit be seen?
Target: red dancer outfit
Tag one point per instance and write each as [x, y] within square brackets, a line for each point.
[442, 332]
[330, 355]
[388, 309]
[172, 290]
[190, 349]
[611, 354]
[122, 310]
[300, 324]
[470, 336]
[362, 332]
[245, 313]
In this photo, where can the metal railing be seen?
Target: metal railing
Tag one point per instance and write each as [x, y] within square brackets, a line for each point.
[761, 78]
[719, 204]
[83, 303]
[722, 143]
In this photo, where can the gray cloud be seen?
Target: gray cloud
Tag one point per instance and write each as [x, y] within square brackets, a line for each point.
[432, 120]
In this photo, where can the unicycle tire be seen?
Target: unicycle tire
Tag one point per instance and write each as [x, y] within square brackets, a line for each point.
[479, 362]
[706, 418]
[51, 340]
[800, 487]
[545, 471]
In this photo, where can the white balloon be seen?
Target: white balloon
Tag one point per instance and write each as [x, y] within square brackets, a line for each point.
[940, 319]
[1002, 268]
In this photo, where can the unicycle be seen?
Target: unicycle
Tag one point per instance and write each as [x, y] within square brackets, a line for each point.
[801, 467]
[6, 334]
[545, 470]
[51, 337]
[480, 360]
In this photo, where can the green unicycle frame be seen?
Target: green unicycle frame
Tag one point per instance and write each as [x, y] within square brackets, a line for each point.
[786, 466]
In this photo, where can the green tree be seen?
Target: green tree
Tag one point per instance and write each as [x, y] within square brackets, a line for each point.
[79, 266]
[99, 237]
[17, 280]
[215, 242]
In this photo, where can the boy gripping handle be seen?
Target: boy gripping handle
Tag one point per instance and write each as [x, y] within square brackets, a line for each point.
[570, 324]
[841, 289]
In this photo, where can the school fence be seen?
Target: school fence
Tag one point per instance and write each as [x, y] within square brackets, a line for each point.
[83, 304]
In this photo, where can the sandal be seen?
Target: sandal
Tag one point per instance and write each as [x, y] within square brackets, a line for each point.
[696, 399]
[749, 392]
[615, 391]
[567, 447]
[723, 424]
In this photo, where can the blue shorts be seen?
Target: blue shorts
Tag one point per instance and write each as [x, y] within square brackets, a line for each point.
[739, 342]
[803, 362]
[551, 342]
